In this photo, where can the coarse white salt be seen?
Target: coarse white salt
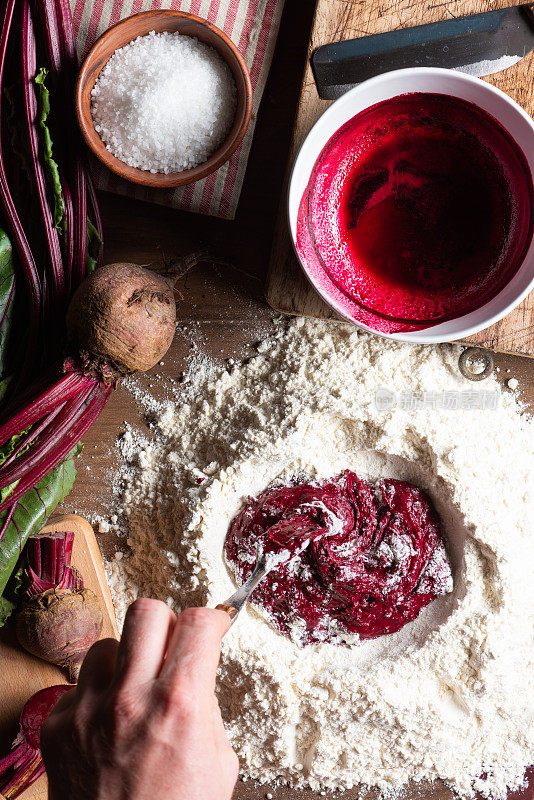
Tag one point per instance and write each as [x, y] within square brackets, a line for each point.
[164, 103]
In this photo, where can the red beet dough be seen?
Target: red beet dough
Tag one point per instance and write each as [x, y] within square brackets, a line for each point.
[369, 573]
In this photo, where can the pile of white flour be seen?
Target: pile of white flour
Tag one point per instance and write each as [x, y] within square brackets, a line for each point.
[449, 696]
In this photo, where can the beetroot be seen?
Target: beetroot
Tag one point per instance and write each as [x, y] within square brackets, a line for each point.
[59, 626]
[59, 620]
[121, 320]
[23, 765]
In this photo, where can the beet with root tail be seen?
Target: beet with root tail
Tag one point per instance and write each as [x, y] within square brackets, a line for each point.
[59, 619]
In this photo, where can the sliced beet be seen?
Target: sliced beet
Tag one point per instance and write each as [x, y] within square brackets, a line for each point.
[23, 764]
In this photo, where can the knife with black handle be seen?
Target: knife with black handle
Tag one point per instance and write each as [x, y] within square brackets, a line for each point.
[480, 44]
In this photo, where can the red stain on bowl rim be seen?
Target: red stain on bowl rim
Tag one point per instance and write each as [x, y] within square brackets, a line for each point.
[419, 209]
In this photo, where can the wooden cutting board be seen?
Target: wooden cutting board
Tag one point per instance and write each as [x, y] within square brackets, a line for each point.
[287, 288]
[22, 674]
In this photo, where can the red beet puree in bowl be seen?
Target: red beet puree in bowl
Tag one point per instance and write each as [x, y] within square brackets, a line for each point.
[419, 209]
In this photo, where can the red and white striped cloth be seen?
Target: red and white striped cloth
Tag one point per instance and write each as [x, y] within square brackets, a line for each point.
[253, 26]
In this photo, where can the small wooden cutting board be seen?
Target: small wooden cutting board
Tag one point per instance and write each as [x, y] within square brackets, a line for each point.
[21, 673]
[287, 289]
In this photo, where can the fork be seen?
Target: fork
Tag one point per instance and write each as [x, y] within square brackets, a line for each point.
[266, 562]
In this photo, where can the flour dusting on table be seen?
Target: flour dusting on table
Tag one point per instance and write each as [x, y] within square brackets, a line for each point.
[449, 696]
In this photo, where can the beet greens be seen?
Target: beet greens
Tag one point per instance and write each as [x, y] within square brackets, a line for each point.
[47, 247]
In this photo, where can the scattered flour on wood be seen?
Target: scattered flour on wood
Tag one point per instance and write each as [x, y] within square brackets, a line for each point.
[449, 696]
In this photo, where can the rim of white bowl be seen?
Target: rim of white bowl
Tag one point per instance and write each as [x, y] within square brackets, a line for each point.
[425, 335]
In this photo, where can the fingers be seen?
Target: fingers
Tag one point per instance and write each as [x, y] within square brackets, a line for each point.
[145, 636]
[55, 720]
[64, 702]
[221, 737]
[98, 667]
[195, 648]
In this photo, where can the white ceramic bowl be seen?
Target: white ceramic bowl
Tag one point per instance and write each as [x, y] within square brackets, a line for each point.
[436, 81]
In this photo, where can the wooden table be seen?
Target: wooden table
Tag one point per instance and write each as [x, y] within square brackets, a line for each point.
[226, 304]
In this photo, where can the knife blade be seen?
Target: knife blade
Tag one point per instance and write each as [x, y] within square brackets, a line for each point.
[479, 44]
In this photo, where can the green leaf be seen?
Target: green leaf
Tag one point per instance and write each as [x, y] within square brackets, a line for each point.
[7, 298]
[31, 513]
[5, 452]
[6, 609]
[12, 593]
[6, 491]
[50, 164]
[7, 449]
[94, 243]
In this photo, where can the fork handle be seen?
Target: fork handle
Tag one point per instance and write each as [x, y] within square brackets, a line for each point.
[230, 610]
[233, 604]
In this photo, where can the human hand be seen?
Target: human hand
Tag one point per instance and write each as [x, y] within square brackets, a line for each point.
[143, 722]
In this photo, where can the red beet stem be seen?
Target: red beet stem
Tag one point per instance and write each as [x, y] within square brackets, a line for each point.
[96, 219]
[26, 768]
[29, 68]
[48, 19]
[64, 389]
[46, 11]
[79, 177]
[48, 563]
[69, 233]
[32, 435]
[58, 428]
[80, 223]
[40, 383]
[61, 450]
[67, 40]
[23, 765]
[12, 219]
[48, 556]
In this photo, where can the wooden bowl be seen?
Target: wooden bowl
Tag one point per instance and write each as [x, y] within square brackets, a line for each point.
[160, 21]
